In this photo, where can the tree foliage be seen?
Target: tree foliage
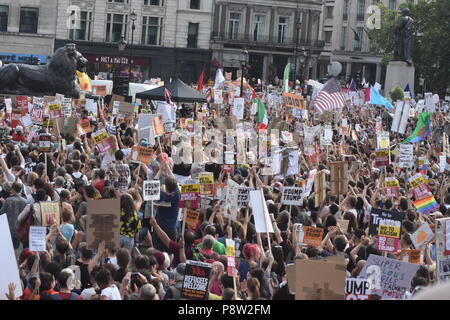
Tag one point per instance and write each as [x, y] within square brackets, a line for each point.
[431, 53]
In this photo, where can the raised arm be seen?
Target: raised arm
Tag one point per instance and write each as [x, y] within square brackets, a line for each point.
[160, 232]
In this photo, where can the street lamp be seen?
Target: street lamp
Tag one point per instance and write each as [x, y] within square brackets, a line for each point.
[298, 26]
[133, 18]
[303, 55]
[121, 45]
[244, 61]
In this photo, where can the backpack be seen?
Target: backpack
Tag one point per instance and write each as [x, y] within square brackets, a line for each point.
[23, 228]
[78, 182]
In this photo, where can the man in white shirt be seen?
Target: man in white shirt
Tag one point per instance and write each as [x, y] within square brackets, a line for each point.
[104, 280]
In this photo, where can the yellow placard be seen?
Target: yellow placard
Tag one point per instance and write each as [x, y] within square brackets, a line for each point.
[389, 231]
[190, 188]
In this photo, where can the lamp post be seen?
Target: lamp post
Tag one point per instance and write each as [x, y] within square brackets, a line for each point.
[121, 45]
[133, 18]
[244, 60]
[303, 55]
[298, 26]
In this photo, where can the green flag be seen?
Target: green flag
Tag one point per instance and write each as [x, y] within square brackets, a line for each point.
[287, 70]
[422, 129]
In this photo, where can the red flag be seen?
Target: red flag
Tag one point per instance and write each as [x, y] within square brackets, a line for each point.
[200, 81]
[168, 96]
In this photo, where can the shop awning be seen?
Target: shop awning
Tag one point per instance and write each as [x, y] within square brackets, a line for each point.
[179, 92]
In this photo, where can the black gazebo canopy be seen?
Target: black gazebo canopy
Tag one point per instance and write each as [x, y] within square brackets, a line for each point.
[179, 92]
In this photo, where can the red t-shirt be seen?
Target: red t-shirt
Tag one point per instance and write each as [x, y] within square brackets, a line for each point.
[18, 138]
[66, 296]
[100, 186]
[174, 248]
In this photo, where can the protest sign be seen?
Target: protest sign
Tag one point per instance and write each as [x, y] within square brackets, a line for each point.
[243, 197]
[151, 190]
[357, 289]
[238, 108]
[206, 183]
[102, 140]
[394, 276]
[9, 268]
[311, 236]
[37, 238]
[158, 125]
[189, 196]
[85, 127]
[263, 224]
[343, 224]
[231, 200]
[422, 236]
[411, 256]
[196, 280]
[383, 140]
[382, 158]
[319, 188]
[142, 154]
[392, 187]
[192, 218]
[294, 101]
[66, 107]
[319, 280]
[292, 196]
[378, 216]
[37, 115]
[21, 102]
[401, 116]
[218, 97]
[55, 110]
[99, 90]
[443, 249]
[327, 138]
[339, 177]
[16, 116]
[50, 213]
[28, 122]
[103, 223]
[65, 125]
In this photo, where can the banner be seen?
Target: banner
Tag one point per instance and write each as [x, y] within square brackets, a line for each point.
[151, 190]
[206, 183]
[103, 223]
[50, 213]
[394, 276]
[357, 289]
[196, 280]
[292, 196]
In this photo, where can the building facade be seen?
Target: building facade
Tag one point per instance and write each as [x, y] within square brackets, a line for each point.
[346, 39]
[170, 37]
[270, 31]
[27, 31]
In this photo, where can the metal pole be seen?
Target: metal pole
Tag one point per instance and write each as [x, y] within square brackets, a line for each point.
[242, 82]
[295, 60]
[131, 49]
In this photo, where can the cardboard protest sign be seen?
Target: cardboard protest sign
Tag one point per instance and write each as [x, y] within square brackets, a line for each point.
[394, 276]
[292, 196]
[65, 125]
[357, 289]
[206, 183]
[85, 127]
[50, 211]
[231, 200]
[382, 158]
[103, 223]
[102, 140]
[406, 156]
[294, 101]
[37, 238]
[243, 197]
[443, 249]
[319, 188]
[192, 218]
[263, 224]
[37, 115]
[310, 236]
[142, 154]
[54, 110]
[319, 280]
[378, 216]
[392, 187]
[422, 236]
[343, 224]
[339, 177]
[126, 108]
[411, 256]
[99, 90]
[196, 280]
[189, 196]
[383, 140]
[158, 125]
[151, 190]
[9, 269]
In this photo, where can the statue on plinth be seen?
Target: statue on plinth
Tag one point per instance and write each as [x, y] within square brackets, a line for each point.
[403, 33]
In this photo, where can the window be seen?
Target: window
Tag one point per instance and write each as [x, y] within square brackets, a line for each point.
[345, 15]
[344, 38]
[283, 24]
[192, 35]
[233, 30]
[195, 4]
[328, 35]
[329, 11]
[116, 26]
[360, 10]
[29, 20]
[84, 33]
[118, 1]
[151, 30]
[259, 27]
[4, 18]
[393, 4]
[154, 3]
[358, 44]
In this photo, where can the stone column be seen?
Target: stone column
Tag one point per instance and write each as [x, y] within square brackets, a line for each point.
[348, 71]
[378, 73]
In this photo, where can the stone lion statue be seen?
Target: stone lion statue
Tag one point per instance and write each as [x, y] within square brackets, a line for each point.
[57, 76]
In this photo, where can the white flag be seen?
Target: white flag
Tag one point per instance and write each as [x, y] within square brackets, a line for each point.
[220, 79]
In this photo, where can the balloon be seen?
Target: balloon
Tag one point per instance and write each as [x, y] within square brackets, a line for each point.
[335, 68]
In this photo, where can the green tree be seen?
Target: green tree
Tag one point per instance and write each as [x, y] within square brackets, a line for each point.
[431, 54]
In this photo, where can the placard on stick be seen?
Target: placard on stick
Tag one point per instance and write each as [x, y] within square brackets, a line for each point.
[103, 223]
[339, 177]
[292, 196]
[319, 188]
[50, 212]
[151, 190]
[196, 280]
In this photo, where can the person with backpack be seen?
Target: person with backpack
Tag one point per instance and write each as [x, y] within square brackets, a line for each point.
[79, 179]
[174, 291]
[66, 281]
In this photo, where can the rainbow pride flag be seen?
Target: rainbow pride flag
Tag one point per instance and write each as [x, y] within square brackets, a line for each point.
[426, 205]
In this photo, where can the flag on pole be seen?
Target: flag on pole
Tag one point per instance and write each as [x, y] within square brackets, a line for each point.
[200, 81]
[287, 70]
[329, 98]
[376, 98]
[220, 79]
[422, 129]
[353, 86]
[263, 121]
[168, 96]
[408, 90]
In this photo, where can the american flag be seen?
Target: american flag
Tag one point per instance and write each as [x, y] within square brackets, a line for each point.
[329, 98]
[168, 96]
